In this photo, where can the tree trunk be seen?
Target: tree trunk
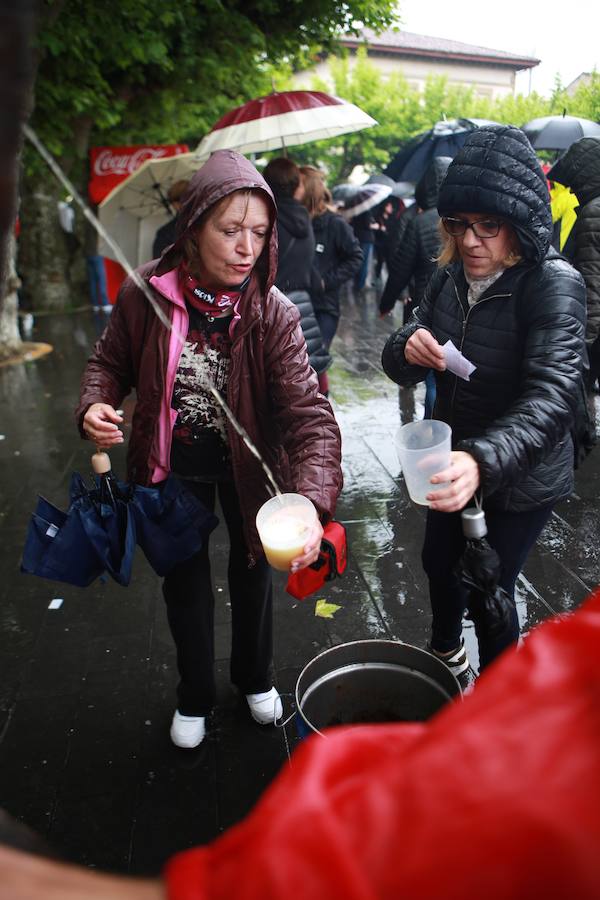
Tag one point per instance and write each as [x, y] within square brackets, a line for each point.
[16, 29]
[10, 339]
[51, 261]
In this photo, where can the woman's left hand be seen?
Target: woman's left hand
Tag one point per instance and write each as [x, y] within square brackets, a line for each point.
[311, 549]
[463, 478]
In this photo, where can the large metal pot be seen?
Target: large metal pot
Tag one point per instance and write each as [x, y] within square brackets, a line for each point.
[371, 681]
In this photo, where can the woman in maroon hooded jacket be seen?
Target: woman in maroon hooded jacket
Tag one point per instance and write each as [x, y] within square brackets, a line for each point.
[231, 327]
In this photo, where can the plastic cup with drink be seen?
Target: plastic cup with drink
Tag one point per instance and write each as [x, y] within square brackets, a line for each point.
[424, 449]
[284, 524]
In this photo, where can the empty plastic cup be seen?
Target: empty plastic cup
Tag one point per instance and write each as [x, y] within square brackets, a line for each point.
[424, 449]
[284, 523]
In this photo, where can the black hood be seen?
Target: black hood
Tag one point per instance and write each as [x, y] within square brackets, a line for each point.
[293, 216]
[496, 172]
[579, 169]
[428, 186]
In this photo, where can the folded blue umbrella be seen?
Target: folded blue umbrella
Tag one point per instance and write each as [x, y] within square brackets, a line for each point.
[171, 523]
[58, 548]
[99, 531]
[109, 526]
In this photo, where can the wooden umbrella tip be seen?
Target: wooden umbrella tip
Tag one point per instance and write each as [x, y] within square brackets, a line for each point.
[101, 462]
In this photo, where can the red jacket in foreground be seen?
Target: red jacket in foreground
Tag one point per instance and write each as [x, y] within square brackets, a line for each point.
[496, 797]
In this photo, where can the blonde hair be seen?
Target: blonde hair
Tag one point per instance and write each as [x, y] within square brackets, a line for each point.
[449, 253]
[316, 196]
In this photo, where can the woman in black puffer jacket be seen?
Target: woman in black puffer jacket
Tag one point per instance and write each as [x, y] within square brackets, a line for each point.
[516, 310]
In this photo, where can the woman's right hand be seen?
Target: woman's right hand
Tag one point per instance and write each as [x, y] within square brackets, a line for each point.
[422, 349]
[101, 425]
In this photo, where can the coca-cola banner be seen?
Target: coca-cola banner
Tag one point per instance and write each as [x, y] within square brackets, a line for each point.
[111, 165]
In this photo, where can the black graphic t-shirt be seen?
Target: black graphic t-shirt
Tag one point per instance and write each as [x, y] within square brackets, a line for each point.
[200, 449]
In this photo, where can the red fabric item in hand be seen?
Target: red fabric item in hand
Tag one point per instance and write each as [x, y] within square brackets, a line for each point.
[332, 562]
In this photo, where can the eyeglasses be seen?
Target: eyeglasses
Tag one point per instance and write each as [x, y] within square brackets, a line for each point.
[482, 228]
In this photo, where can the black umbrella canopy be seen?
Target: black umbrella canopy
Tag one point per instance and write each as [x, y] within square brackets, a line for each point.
[444, 139]
[559, 132]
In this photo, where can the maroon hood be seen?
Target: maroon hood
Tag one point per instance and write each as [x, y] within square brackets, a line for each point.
[225, 172]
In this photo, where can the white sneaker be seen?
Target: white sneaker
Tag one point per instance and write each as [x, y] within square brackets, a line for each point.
[267, 708]
[187, 731]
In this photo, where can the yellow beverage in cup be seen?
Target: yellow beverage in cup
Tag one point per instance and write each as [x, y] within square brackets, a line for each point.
[284, 524]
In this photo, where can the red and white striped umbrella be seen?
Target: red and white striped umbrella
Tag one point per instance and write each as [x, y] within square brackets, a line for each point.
[282, 120]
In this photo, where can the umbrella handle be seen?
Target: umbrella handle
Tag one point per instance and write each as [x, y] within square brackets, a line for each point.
[101, 462]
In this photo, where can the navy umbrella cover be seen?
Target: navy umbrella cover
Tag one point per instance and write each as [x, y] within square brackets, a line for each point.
[106, 520]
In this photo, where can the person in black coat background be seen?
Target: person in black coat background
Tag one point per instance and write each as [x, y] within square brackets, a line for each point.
[516, 309]
[579, 169]
[415, 257]
[364, 227]
[416, 254]
[338, 256]
[295, 273]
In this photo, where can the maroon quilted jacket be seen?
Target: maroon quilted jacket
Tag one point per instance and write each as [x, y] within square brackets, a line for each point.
[272, 390]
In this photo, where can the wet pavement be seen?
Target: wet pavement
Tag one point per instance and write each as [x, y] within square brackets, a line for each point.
[87, 689]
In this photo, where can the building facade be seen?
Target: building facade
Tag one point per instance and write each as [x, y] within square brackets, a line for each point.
[490, 73]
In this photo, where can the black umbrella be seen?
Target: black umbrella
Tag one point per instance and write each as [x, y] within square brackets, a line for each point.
[559, 132]
[400, 189]
[444, 139]
[355, 199]
[490, 608]
[103, 523]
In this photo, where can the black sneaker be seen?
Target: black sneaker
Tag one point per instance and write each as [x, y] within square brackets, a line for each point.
[459, 665]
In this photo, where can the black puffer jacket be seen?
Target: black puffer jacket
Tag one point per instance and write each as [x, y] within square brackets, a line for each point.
[525, 336]
[337, 259]
[296, 245]
[420, 245]
[296, 276]
[579, 169]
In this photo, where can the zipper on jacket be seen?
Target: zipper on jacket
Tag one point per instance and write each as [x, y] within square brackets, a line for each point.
[464, 326]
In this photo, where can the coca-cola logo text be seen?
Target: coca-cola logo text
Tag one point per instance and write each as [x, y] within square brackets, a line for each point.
[109, 163]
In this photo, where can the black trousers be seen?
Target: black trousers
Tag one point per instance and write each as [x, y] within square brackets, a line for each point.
[512, 535]
[190, 602]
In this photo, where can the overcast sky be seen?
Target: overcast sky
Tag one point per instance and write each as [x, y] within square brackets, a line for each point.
[563, 34]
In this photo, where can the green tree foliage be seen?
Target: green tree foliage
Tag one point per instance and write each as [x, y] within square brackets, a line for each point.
[162, 71]
[151, 71]
[403, 112]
